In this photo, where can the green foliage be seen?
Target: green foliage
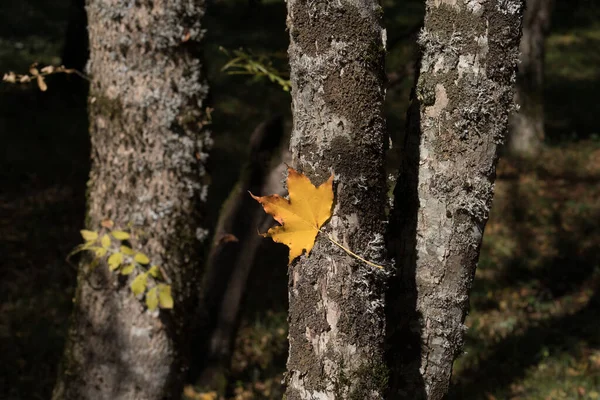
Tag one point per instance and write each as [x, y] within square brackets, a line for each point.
[123, 259]
[141, 258]
[242, 63]
[165, 300]
[138, 286]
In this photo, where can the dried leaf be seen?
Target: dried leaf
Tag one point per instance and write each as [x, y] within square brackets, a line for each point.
[107, 223]
[192, 394]
[228, 238]
[42, 83]
[10, 77]
[302, 215]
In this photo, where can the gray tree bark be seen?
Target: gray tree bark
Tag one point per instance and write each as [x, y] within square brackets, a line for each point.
[336, 315]
[527, 125]
[148, 154]
[458, 119]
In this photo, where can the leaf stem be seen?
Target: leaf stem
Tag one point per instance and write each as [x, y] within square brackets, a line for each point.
[372, 264]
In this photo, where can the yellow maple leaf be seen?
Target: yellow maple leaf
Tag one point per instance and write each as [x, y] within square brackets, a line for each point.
[301, 217]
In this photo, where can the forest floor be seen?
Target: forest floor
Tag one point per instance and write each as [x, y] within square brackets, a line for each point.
[534, 329]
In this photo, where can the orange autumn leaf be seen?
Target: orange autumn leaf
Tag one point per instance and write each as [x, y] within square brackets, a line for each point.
[301, 217]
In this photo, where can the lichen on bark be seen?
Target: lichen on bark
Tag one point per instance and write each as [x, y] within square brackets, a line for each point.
[336, 302]
[149, 148]
[458, 119]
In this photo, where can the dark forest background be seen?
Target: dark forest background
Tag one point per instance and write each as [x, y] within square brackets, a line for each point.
[534, 326]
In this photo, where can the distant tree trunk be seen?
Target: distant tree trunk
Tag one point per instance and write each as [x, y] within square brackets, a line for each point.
[527, 125]
[336, 321]
[76, 50]
[458, 118]
[234, 248]
[148, 154]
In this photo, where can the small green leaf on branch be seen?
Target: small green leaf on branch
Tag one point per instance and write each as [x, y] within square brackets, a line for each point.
[120, 235]
[152, 299]
[138, 286]
[141, 258]
[88, 235]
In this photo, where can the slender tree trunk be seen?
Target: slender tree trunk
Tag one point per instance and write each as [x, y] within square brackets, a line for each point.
[148, 152]
[527, 125]
[76, 50]
[458, 118]
[234, 248]
[336, 316]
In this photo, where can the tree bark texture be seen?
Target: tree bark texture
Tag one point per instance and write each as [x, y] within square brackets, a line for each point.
[336, 314]
[457, 120]
[149, 148]
[527, 125]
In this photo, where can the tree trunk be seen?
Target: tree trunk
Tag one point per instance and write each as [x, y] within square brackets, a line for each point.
[527, 125]
[234, 248]
[148, 154]
[75, 53]
[336, 311]
[458, 118]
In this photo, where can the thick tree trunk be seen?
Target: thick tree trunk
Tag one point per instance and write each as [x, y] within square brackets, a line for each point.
[459, 116]
[336, 302]
[527, 125]
[148, 153]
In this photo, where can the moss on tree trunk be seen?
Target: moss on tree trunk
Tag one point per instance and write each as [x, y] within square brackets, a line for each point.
[458, 119]
[149, 148]
[336, 301]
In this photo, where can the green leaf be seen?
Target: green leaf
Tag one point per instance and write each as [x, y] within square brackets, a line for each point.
[138, 286]
[120, 235]
[141, 258]
[128, 251]
[114, 261]
[164, 296]
[105, 241]
[154, 271]
[128, 269]
[152, 299]
[88, 235]
[100, 252]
